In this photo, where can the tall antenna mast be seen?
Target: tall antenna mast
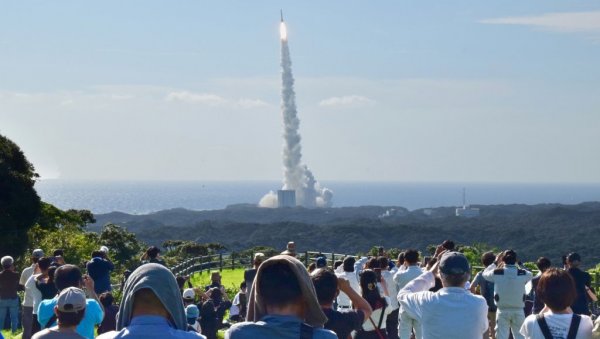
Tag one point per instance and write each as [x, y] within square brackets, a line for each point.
[464, 197]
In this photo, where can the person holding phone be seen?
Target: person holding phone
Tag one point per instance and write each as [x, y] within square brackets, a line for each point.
[402, 278]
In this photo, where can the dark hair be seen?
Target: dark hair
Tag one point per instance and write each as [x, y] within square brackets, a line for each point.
[349, 264]
[556, 289]
[59, 253]
[68, 319]
[543, 264]
[243, 284]
[51, 273]
[488, 258]
[97, 254]
[337, 264]
[383, 262]
[372, 263]
[152, 252]
[573, 258]
[106, 299]
[67, 276]
[325, 283]
[278, 285]
[448, 244]
[44, 263]
[411, 256]
[510, 257]
[370, 291]
[180, 281]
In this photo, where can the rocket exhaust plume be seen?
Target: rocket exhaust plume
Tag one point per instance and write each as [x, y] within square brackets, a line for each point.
[296, 175]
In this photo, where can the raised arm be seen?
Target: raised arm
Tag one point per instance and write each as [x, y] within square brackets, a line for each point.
[358, 302]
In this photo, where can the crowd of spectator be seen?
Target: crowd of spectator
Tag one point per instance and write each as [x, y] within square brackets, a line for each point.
[369, 297]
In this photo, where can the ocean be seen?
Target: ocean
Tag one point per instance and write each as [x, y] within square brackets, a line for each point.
[141, 197]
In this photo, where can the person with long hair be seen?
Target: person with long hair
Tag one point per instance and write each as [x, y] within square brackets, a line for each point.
[557, 290]
[374, 326]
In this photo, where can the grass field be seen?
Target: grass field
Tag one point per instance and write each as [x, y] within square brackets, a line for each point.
[8, 335]
[231, 279]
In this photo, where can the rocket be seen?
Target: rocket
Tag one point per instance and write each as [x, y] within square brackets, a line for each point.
[281, 12]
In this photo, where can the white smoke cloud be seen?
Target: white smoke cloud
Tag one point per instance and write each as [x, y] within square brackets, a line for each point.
[269, 200]
[297, 176]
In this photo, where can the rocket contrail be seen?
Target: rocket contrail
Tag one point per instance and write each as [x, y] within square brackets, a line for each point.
[296, 175]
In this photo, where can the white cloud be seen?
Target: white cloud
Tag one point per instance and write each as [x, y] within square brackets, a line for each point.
[570, 22]
[251, 103]
[349, 100]
[202, 98]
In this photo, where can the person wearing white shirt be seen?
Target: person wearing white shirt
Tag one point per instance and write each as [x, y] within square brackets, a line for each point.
[388, 279]
[452, 312]
[556, 289]
[509, 293]
[27, 312]
[343, 301]
[407, 324]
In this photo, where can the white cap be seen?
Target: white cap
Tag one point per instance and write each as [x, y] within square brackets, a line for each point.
[104, 249]
[189, 293]
[71, 299]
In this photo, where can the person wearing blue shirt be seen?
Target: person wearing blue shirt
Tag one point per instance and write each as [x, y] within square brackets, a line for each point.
[70, 276]
[99, 269]
[283, 304]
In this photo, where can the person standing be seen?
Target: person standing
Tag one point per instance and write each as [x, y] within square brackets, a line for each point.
[556, 289]
[543, 264]
[27, 309]
[250, 273]
[388, 279]
[70, 276]
[343, 301]
[327, 285]
[9, 285]
[583, 282]
[406, 324]
[99, 268]
[486, 290]
[69, 311]
[452, 312]
[509, 293]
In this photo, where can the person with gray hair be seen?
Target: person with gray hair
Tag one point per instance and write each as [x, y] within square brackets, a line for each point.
[452, 312]
[9, 285]
[151, 306]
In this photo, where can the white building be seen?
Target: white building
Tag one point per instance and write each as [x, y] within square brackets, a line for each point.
[466, 211]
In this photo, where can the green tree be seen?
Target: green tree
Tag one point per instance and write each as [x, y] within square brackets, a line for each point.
[124, 247]
[19, 202]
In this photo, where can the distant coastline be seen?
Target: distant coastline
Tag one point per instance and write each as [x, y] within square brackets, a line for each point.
[142, 197]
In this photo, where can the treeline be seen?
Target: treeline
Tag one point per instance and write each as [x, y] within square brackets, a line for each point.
[543, 230]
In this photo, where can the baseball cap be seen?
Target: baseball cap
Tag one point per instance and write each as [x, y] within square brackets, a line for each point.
[192, 311]
[6, 261]
[321, 262]
[189, 294]
[37, 253]
[71, 299]
[104, 249]
[454, 263]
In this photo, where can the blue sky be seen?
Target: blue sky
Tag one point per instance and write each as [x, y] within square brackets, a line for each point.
[402, 91]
